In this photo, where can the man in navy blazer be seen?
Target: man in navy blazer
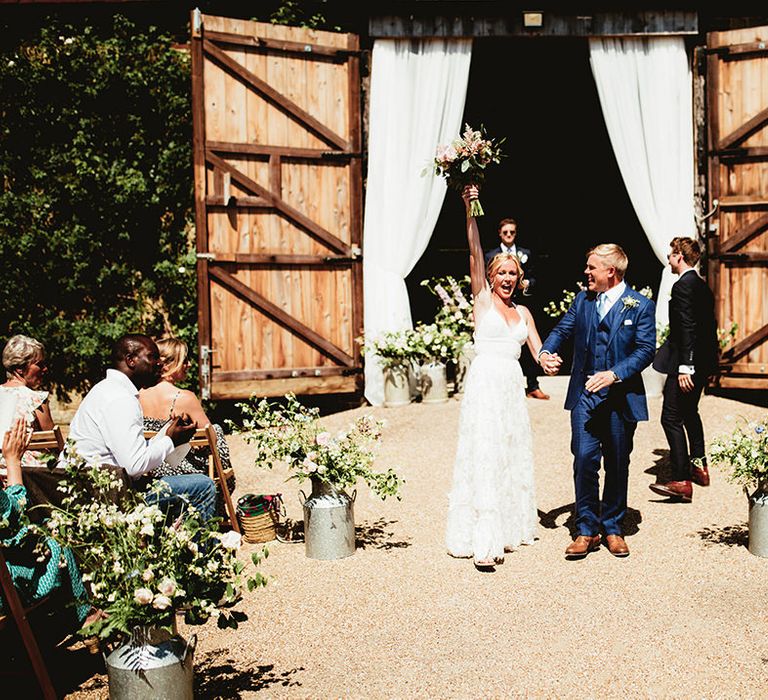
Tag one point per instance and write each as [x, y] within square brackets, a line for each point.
[614, 332]
[688, 357]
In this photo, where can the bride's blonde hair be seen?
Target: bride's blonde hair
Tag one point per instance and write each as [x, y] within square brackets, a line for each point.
[497, 261]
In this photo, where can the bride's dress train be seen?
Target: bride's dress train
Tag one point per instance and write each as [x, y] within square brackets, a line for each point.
[492, 504]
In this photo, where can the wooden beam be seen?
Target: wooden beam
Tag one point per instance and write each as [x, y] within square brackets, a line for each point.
[276, 261]
[744, 346]
[739, 237]
[310, 51]
[279, 387]
[284, 152]
[744, 131]
[200, 181]
[737, 51]
[261, 374]
[740, 202]
[756, 258]
[735, 381]
[277, 314]
[269, 93]
[278, 203]
[744, 154]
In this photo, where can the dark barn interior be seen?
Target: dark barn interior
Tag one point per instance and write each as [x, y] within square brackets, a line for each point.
[559, 179]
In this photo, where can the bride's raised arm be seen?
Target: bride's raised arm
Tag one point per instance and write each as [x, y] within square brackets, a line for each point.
[476, 257]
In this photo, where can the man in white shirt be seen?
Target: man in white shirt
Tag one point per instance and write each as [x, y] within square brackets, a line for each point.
[108, 428]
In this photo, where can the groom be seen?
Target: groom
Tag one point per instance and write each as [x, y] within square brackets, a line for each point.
[614, 333]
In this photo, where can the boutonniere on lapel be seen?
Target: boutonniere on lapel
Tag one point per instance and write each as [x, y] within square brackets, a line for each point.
[522, 257]
[629, 302]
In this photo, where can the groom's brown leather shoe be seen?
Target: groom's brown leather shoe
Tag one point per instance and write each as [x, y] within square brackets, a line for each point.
[616, 545]
[537, 394]
[700, 475]
[581, 546]
[679, 490]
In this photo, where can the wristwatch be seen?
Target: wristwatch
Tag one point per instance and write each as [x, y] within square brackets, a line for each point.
[615, 377]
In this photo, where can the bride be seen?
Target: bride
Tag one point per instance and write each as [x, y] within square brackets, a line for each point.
[492, 504]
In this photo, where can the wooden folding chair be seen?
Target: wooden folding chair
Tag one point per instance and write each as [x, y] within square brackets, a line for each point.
[19, 613]
[47, 439]
[206, 437]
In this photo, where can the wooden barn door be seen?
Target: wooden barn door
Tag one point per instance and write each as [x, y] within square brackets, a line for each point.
[737, 85]
[278, 191]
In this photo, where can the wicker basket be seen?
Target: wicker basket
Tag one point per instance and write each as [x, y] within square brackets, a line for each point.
[260, 526]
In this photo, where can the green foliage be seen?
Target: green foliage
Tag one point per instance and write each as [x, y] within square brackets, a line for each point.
[140, 568]
[291, 433]
[745, 454]
[96, 198]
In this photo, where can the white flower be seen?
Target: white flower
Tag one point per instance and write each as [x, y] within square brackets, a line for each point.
[11, 64]
[231, 540]
[143, 596]
[630, 302]
[211, 566]
[69, 40]
[161, 602]
[117, 568]
[523, 257]
[182, 269]
[147, 530]
[148, 575]
[309, 465]
[192, 547]
[323, 438]
[167, 586]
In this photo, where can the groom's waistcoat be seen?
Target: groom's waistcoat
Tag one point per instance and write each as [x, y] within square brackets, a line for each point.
[597, 353]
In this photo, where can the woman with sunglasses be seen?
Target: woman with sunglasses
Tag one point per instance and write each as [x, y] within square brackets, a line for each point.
[21, 396]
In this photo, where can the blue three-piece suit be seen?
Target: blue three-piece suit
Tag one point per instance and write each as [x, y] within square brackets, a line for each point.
[603, 423]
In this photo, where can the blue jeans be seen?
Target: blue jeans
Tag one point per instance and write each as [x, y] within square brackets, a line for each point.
[184, 490]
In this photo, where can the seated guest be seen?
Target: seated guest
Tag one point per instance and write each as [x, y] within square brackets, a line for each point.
[33, 576]
[108, 428]
[162, 401]
[20, 395]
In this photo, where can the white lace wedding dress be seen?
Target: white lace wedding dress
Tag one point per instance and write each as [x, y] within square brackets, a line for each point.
[492, 504]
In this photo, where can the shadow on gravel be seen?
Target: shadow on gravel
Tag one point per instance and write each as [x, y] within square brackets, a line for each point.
[728, 536]
[662, 467]
[631, 525]
[219, 676]
[378, 535]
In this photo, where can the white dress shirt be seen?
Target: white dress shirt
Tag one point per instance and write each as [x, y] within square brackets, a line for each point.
[612, 296]
[512, 250]
[108, 428]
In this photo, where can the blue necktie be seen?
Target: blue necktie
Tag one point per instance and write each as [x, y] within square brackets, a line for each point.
[602, 305]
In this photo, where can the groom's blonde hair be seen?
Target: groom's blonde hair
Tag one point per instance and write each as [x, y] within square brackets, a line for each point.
[612, 255]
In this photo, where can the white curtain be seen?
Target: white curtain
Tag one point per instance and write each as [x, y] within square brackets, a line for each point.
[418, 89]
[645, 92]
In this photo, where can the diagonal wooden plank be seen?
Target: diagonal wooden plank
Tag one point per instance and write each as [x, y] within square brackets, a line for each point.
[280, 204]
[281, 101]
[744, 346]
[744, 131]
[296, 327]
[739, 237]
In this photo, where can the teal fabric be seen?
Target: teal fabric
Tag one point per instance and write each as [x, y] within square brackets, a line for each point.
[36, 579]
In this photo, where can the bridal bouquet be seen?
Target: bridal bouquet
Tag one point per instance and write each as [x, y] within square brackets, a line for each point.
[463, 162]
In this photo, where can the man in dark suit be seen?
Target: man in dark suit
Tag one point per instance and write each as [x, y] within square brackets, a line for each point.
[688, 357]
[507, 236]
[614, 331]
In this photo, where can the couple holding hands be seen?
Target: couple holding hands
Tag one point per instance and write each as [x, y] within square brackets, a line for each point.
[492, 506]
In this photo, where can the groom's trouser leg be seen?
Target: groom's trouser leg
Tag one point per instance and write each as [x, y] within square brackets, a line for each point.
[585, 446]
[617, 447]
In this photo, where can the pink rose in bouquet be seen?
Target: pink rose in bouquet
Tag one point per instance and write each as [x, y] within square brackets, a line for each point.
[463, 162]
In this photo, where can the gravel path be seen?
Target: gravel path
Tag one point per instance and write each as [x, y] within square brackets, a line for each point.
[683, 616]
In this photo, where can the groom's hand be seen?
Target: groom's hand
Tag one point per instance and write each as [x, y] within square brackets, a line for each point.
[550, 363]
[600, 380]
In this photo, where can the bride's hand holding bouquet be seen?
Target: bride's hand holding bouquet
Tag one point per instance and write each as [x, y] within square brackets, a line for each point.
[463, 163]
